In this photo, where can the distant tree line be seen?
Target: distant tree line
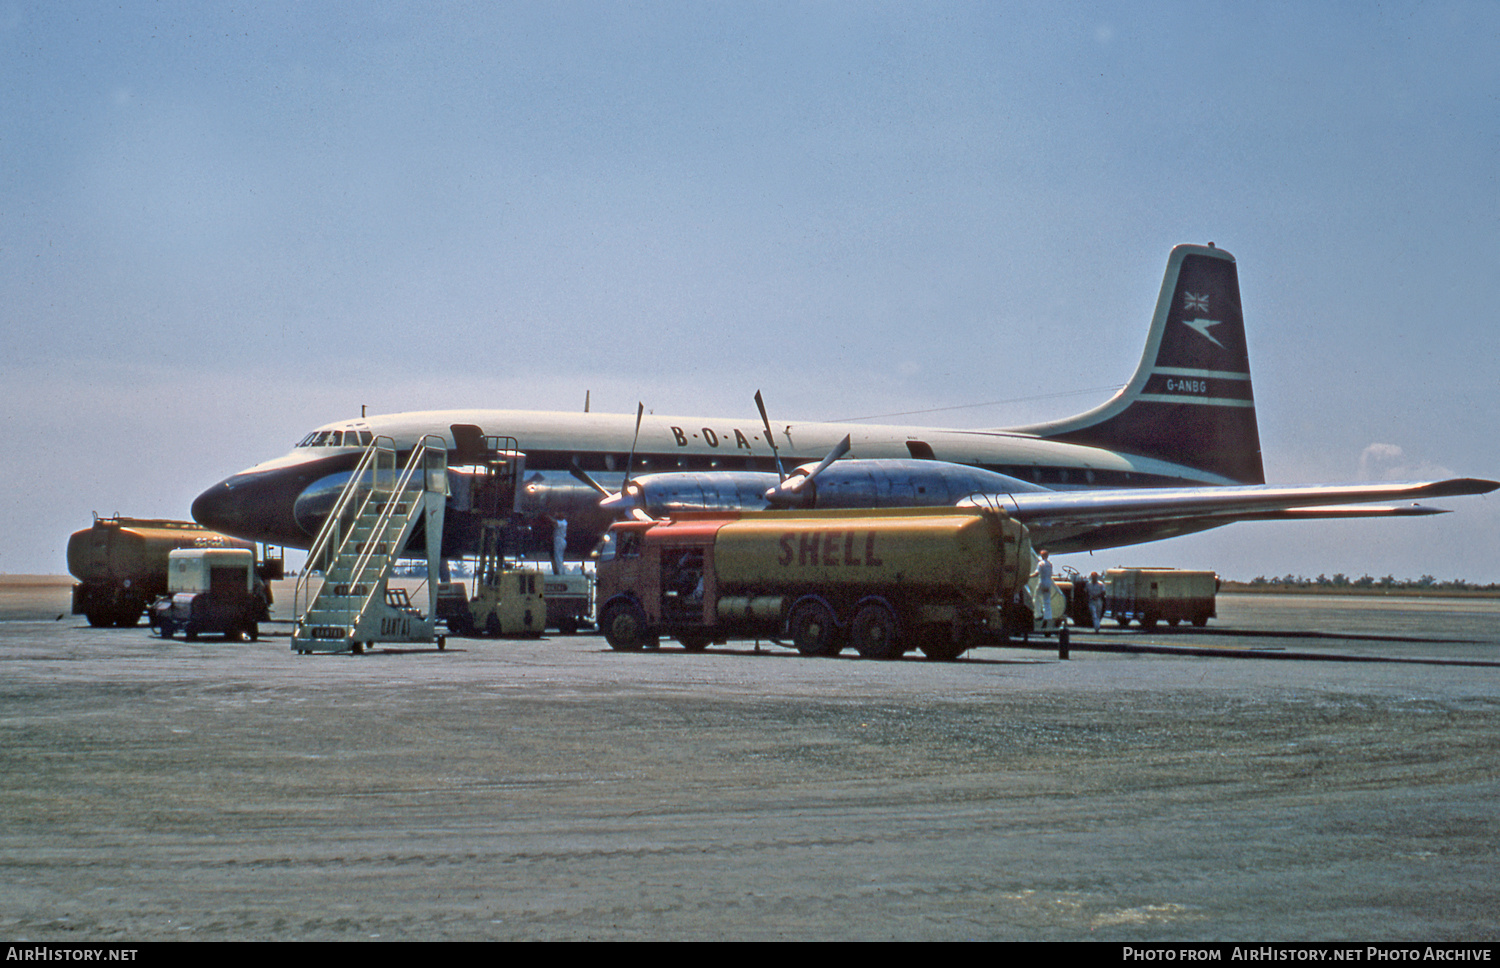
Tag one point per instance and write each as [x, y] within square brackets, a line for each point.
[1388, 583]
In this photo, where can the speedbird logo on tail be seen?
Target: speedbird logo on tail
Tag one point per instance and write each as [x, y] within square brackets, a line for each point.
[1200, 326]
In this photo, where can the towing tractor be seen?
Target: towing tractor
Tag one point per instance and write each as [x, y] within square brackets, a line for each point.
[509, 602]
[882, 582]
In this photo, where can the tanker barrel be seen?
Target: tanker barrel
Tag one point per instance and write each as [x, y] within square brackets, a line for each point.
[135, 550]
[967, 553]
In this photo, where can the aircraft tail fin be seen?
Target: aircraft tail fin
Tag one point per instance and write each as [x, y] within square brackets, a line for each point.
[1189, 401]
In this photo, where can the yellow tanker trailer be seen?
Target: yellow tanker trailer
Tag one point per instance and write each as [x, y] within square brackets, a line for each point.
[881, 581]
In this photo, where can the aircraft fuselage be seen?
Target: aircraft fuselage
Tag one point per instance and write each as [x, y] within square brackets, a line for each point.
[713, 462]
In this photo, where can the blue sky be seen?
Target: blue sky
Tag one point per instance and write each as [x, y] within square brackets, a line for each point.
[223, 225]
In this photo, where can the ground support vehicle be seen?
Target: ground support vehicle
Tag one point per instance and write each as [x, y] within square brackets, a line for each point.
[508, 601]
[1151, 595]
[214, 591]
[570, 601]
[121, 564]
[881, 581]
[386, 502]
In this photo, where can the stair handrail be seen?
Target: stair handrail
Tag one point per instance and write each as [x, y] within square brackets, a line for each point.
[418, 458]
[331, 529]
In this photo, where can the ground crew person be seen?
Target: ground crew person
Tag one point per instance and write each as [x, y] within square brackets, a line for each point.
[1045, 587]
[1096, 599]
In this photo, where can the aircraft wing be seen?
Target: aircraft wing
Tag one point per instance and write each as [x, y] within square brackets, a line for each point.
[1087, 519]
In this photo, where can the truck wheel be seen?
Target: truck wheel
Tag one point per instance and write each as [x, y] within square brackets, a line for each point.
[624, 626]
[252, 631]
[813, 629]
[492, 626]
[1149, 620]
[1200, 620]
[99, 618]
[874, 633]
[168, 630]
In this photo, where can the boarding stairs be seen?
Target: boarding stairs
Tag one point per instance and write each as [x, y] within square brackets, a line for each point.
[365, 534]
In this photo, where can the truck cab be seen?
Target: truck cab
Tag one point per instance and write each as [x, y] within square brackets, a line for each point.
[661, 577]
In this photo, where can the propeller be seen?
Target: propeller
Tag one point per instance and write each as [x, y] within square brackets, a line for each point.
[770, 437]
[621, 501]
[788, 492]
[640, 411]
[583, 476]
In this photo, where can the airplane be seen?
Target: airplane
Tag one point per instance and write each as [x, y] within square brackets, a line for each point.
[1175, 451]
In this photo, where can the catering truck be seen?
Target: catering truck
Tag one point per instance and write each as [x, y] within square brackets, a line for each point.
[121, 564]
[880, 581]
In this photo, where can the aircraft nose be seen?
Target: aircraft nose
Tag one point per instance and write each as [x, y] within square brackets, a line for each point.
[216, 509]
[253, 506]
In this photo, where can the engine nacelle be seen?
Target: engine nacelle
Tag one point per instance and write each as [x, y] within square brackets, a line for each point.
[890, 483]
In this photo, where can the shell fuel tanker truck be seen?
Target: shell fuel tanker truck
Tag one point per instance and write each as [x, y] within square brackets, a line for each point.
[882, 582]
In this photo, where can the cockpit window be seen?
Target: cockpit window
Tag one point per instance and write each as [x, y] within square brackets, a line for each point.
[337, 438]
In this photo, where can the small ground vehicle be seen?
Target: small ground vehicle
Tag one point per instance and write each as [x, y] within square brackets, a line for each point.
[509, 597]
[213, 591]
[508, 601]
[882, 581]
[1171, 595]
